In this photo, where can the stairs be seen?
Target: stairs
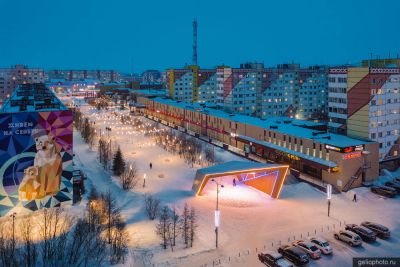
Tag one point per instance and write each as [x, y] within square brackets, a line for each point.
[348, 185]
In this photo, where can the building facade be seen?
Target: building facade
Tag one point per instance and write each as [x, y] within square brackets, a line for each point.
[37, 150]
[191, 84]
[365, 103]
[74, 75]
[254, 90]
[306, 146]
[10, 78]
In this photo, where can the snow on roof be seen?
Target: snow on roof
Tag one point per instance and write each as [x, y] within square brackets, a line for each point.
[149, 92]
[32, 97]
[234, 166]
[286, 125]
[293, 152]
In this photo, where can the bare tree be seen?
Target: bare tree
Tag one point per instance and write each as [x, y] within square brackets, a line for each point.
[152, 206]
[184, 224]
[209, 155]
[29, 250]
[130, 177]
[175, 223]
[163, 226]
[7, 251]
[119, 244]
[192, 225]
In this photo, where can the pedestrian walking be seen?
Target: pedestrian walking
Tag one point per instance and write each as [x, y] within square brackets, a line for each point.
[355, 197]
[234, 182]
[151, 165]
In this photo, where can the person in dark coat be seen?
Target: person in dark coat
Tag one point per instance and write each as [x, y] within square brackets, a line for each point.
[234, 182]
[355, 197]
[151, 165]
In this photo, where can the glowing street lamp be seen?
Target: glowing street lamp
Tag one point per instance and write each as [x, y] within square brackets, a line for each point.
[217, 213]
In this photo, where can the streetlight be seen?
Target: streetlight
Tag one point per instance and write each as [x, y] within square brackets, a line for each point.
[13, 230]
[216, 215]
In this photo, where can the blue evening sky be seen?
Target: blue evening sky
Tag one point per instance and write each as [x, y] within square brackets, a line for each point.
[119, 34]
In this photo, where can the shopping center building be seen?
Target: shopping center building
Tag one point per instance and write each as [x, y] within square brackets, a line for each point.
[306, 146]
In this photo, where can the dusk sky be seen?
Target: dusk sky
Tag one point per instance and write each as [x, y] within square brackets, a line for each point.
[105, 34]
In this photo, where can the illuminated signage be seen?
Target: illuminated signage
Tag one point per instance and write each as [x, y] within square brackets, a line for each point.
[335, 169]
[332, 148]
[345, 149]
[352, 155]
[290, 156]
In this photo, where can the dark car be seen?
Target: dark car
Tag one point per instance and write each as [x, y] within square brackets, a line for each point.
[273, 259]
[394, 185]
[365, 233]
[384, 191]
[396, 180]
[380, 230]
[294, 254]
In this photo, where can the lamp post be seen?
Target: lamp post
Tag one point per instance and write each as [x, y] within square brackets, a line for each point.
[329, 197]
[216, 218]
[13, 230]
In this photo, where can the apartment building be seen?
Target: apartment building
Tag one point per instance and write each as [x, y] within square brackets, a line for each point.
[253, 90]
[365, 103]
[191, 84]
[75, 75]
[11, 77]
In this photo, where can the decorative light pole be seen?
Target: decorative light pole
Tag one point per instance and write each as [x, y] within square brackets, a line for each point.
[329, 196]
[216, 215]
[13, 230]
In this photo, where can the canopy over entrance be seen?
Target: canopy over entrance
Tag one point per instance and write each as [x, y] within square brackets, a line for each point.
[268, 178]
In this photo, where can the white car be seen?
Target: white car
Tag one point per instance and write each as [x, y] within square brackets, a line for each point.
[349, 237]
[322, 244]
[309, 248]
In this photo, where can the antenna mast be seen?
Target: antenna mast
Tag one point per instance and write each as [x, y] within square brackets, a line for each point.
[194, 59]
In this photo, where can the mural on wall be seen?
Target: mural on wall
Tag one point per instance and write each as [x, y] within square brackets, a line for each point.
[35, 159]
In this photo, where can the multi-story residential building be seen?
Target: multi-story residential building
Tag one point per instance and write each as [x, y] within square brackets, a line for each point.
[10, 78]
[253, 90]
[151, 76]
[365, 103]
[191, 84]
[237, 88]
[306, 146]
[73, 75]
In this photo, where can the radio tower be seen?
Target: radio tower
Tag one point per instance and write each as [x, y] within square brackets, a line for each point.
[194, 59]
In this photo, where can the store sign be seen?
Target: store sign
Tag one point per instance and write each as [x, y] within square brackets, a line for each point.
[345, 149]
[289, 156]
[352, 155]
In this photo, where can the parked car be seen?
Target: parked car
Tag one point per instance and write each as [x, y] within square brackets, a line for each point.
[309, 248]
[384, 191]
[380, 230]
[322, 244]
[349, 237]
[394, 185]
[273, 259]
[294, 254]
[397, 180]
[365, 233]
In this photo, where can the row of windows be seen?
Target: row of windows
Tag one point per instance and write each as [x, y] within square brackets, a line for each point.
[388, 133]
[341, 90]
[337, 79]
[337, 100]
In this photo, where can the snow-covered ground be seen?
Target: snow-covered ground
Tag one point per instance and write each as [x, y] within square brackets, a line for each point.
[250, 220]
